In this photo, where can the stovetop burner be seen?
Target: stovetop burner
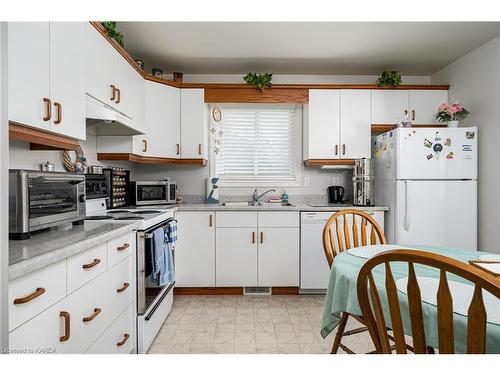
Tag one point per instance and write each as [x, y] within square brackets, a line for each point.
[130, 218]
[145, 212]
[99, 217]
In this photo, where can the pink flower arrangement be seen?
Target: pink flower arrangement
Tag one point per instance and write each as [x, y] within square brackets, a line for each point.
[451, 112]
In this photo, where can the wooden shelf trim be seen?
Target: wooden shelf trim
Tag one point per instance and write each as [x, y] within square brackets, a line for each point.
[39, 139]
[250, 94]
[382, 128]
[149, 159]
[320, 162]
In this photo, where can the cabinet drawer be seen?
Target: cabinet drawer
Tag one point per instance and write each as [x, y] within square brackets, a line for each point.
[36, 291]
[120, 286]
[82, 268]
[119, 337]
[236, 219]
[119, 248]
[278, 219]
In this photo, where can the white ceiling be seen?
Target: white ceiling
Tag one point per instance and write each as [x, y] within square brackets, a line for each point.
[412, 48]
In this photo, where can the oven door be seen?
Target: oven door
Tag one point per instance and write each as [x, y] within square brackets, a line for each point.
[149, 294]
[54, 199]
[151, 193]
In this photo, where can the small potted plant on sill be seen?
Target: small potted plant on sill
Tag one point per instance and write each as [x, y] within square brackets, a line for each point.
[451, 113]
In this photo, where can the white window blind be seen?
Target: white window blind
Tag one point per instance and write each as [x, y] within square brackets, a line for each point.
[257, 144]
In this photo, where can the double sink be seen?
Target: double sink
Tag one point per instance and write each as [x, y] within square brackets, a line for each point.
[255, 204]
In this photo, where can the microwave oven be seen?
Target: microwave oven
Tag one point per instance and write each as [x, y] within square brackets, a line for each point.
[39, 200]
[153, 192]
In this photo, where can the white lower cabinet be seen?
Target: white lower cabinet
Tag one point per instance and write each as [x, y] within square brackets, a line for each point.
[278, 257]
[236, 257]
[257, 249]
[195, 250]
[92, 312]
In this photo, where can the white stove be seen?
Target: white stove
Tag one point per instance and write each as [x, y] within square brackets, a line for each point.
[144, 217]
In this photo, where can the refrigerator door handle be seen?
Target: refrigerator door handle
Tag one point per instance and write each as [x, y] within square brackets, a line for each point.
[407, 221]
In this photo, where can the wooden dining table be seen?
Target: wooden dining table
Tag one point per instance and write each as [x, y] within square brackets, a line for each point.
[342, 296]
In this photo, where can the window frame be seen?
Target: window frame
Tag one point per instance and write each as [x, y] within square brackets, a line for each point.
[297, 148]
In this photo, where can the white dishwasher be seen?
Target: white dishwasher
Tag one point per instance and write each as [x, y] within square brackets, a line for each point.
[314, 270]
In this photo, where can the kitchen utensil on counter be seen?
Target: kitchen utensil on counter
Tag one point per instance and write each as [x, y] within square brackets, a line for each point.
[363, 183]
[47, 167]
[95, 169]
[335, 194]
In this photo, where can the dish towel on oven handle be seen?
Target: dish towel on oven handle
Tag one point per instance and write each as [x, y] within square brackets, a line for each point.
[170, 241]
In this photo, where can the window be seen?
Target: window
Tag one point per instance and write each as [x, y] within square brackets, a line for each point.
[256, 145]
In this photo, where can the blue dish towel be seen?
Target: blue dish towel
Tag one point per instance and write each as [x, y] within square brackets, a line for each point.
[171, 241]
[158, 254]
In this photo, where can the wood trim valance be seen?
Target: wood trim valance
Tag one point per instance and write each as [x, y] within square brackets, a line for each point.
[41, 140]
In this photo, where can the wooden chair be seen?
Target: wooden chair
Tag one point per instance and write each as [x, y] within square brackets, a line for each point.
[334, 244]
[370, 304]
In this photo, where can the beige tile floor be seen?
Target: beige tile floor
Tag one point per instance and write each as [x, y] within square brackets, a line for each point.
[249, 325]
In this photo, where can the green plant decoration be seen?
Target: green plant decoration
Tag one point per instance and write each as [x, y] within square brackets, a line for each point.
[262, 81]
[392, 78]
[113, 32]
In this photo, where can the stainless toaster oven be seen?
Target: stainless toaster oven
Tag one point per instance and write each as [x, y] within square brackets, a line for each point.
[39, 200]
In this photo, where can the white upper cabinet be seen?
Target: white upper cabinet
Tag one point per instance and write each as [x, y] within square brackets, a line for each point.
[321, 125]
[424, 105]
[47, 76]
[355, 120]
[99, 58]
[389, 106]
[28, 73]
[194, 124]
[162, 121]
[67, 78]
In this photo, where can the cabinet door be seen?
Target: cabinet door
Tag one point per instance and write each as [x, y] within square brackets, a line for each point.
[322, 121]
[278, 257]
[125, 79]
[195, 250]
[99, 63]
[389, 106]
[162, 120]
[236, 258]
[355, 124]
[194, 125]
[67, 78]
[424, 105]
[28, 73]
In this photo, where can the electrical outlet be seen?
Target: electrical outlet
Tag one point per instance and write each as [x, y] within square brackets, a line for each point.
[335, 180]
[307, 181]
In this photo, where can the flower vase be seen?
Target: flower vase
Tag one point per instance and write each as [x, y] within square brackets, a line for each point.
[453, 124]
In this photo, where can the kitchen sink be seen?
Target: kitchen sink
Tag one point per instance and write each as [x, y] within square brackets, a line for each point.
[258, 204]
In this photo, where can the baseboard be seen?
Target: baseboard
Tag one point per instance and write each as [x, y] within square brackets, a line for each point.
[212, 291]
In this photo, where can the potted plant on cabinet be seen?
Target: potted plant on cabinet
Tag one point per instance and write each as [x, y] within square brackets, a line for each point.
[451, 113]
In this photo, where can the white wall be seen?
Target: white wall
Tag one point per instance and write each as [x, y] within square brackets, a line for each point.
[4, 188]
[474, 79]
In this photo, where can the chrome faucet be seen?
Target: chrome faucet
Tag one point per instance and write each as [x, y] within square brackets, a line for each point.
[256, 196]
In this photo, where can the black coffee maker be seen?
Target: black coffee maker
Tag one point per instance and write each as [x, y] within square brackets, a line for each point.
[335, 194]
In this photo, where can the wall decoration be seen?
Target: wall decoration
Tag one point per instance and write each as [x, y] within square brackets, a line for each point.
[79, 165]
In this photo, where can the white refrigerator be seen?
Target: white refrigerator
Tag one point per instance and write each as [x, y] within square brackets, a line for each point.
[428, 179]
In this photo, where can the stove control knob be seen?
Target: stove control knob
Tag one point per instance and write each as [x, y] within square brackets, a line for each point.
[82, 198]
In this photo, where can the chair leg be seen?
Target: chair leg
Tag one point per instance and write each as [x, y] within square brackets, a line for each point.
[340, 333]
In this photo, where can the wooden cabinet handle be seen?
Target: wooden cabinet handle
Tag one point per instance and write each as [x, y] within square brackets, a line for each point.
[48, 109]
[261, 237]
[58, 113]
[118, 97]
[124, 247]
[145, 148]
[92, 316]
[67, 326]
[125, 338]
[253, 237]
[406, 111]
[210, 220]
[93, 264]
[123, 288]
[37, 293]
[113, 92]
[336, 149]
[343, 149]
[199, 149]
[178, 146]
[413, 115]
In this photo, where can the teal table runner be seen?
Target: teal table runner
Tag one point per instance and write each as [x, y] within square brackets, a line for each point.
[342, 297]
